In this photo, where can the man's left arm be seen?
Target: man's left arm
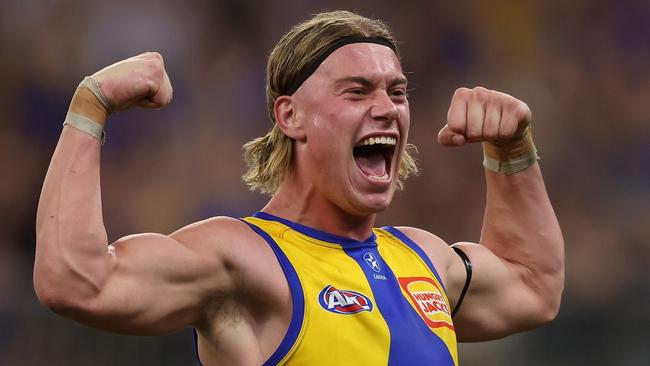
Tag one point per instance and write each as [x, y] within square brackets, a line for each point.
[518, 264]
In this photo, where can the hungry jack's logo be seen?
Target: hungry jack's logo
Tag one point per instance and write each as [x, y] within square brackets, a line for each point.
[428, 299]
[343, 301]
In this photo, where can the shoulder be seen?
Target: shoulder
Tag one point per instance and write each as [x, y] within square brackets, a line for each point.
[220, 230]
[219, 225]
[230, 237]
[421, 237]
[240, 250]
[438, 251]
[226, 238]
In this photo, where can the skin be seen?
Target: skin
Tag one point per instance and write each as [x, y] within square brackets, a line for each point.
[203, 276]
[338, 106]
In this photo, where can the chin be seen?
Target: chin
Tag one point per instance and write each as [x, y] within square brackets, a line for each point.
[373, 204]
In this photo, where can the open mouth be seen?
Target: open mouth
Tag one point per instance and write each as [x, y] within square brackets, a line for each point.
[374, 156]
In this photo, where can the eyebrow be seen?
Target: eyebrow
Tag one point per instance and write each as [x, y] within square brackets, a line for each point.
[367, 83]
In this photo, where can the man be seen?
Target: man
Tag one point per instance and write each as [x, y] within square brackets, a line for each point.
[308, 280]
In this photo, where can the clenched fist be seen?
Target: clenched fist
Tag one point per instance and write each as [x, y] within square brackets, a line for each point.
[479, 114]
[139, 80]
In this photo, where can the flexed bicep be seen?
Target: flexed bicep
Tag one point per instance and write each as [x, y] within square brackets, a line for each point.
[154, 283]
[501, 297]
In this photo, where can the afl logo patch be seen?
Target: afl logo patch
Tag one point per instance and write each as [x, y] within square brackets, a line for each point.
[343, 301]
[427, 298]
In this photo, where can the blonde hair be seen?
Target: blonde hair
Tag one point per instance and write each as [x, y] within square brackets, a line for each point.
[270, 157]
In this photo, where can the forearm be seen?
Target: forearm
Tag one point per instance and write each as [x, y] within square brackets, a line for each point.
[520, 227]
[518, 268]
[71, 241]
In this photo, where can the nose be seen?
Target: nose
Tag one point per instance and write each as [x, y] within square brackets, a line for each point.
[383, 108]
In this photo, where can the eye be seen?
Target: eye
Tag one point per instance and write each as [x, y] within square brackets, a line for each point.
[356, 91]
[399, 93]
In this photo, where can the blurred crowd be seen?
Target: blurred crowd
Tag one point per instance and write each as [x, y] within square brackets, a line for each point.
[581, 65]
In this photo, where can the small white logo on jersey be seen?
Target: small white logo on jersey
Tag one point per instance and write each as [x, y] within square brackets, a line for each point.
[372, 261]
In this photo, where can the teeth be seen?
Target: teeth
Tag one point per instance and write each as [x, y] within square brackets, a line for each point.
[377, 177]
[384, 140]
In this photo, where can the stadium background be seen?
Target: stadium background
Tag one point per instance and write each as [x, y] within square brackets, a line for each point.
[582, 66]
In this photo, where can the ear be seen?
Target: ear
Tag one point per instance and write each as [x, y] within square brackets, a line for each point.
[287, 118]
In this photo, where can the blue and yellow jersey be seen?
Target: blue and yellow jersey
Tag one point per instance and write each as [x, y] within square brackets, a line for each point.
[373, 302]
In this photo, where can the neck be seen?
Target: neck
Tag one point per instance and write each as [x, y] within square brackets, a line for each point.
[301, 203]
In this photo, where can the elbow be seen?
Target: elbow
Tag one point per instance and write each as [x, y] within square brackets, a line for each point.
[53, 301]
[66, 304]
[550, 303]
[549, 312]
[63, 282]
[549, 288]
[554, 297]
[553, 308]
[50, 295]
[60, 296]
[46, 284]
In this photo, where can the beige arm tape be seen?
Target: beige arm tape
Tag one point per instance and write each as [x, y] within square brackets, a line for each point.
[86, 125]
[88, 109]
[93, 85]
[512, 156]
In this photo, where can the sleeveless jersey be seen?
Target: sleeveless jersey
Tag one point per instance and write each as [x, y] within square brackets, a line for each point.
[373, 302]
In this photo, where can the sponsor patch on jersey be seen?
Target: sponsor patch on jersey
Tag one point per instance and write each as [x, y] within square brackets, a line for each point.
[372, 261]
[343, 301]
[428, 299]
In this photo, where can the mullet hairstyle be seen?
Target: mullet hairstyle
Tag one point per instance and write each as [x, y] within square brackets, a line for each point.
[269, 158]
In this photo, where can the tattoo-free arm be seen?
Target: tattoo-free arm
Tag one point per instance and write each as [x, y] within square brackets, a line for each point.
[141, 284]
[518, 265]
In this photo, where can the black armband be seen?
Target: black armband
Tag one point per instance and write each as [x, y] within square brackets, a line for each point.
[468, 279]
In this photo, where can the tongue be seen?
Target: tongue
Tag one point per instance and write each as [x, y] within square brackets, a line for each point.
[372, 164]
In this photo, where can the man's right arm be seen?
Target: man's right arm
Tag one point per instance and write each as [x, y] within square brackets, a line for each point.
[141, 284]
